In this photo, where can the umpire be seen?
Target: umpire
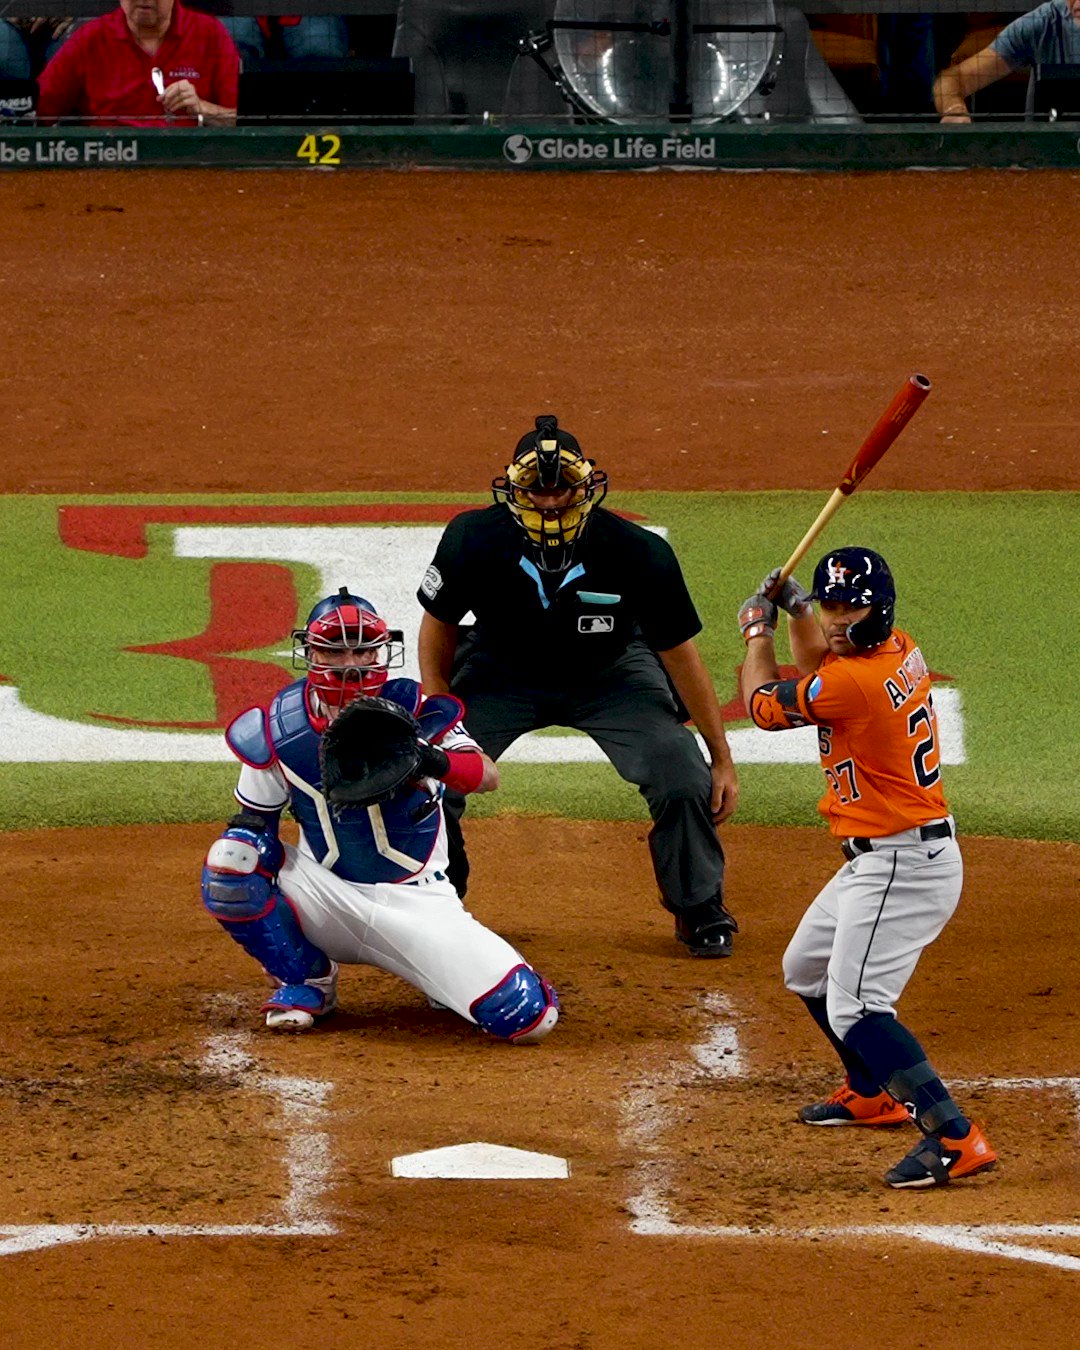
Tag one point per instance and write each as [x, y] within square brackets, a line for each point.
[582, 619]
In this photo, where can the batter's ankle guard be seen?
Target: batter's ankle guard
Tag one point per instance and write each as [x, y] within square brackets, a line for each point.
[924, 1096]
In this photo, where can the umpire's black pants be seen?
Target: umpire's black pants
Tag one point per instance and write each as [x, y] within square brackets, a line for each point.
[630, 713]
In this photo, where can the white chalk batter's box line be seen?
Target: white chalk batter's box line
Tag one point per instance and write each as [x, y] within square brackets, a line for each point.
[307, 1164]
[646, 1118]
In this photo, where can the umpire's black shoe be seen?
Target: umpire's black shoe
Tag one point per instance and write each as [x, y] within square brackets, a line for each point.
[706, 929]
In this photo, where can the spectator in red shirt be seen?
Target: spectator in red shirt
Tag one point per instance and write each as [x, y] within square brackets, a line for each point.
[105, 71]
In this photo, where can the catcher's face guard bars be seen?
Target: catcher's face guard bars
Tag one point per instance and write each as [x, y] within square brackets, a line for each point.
[338, 684]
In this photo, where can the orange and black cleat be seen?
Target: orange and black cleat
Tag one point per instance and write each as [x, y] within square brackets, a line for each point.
[846, 1107]
[935, 1161]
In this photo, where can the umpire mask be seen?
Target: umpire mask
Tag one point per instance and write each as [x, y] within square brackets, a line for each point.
[548, 461]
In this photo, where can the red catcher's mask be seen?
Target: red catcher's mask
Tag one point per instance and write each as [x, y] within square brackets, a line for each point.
[338, 625]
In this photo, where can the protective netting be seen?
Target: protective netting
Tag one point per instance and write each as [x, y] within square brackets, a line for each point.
[693, 62]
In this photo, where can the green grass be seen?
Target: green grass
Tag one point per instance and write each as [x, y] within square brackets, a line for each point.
[986, 585]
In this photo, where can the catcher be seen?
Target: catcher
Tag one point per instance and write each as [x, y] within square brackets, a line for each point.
[362, 761]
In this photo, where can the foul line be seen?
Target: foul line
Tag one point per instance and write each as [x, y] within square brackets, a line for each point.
[307, 1164]
[650, 1109]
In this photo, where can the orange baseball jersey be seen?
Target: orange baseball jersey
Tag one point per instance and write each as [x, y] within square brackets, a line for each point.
[877, 736]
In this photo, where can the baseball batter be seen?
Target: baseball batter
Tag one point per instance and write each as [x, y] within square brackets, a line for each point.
[367, 884]
[866, 687]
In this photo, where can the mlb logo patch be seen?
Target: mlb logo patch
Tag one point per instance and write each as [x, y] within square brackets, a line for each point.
[596, 623]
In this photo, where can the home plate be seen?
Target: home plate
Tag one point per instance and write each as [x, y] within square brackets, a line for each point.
[480, 1162]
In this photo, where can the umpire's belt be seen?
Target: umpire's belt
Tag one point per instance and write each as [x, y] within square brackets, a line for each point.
[938, 829]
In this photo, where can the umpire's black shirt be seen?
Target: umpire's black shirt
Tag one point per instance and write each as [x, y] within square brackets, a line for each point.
[625, 585]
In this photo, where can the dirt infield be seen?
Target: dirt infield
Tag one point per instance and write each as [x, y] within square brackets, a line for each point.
[113, 1114]
[261, 332]
[255, 331]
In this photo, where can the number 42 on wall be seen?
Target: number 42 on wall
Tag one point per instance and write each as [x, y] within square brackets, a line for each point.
[324, 149]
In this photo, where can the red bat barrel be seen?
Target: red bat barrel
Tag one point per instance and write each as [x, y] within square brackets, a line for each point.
[884, 431]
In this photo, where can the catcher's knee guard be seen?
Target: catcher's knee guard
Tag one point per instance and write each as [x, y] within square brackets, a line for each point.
[240, 890]
[522, 1008]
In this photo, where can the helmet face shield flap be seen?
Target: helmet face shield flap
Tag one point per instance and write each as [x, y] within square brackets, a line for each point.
[550, 488]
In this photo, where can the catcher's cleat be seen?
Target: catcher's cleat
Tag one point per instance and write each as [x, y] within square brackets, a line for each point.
[294, 1007]
[846, 1107]
[935, 1161]
[707, 929]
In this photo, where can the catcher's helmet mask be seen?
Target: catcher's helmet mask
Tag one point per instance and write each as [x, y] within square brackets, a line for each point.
[346, 623]
[549, 460]
[859, 576]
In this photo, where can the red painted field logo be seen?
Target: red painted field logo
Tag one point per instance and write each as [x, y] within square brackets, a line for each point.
[183, 614]
[253, 605]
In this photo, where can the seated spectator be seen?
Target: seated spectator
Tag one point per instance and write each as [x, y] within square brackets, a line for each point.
[110, 69]
[14, 52]
[314, 35]
[26, 44]
[1049, 35]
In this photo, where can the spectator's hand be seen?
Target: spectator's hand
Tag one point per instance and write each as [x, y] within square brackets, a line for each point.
[957, 117]
[180, 99]
[57, 27]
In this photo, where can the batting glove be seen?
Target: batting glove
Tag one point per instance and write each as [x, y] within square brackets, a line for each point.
[792, 598]
[757, 617]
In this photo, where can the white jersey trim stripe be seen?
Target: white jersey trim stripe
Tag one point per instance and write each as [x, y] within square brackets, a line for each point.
[385, 848]
[321, 809]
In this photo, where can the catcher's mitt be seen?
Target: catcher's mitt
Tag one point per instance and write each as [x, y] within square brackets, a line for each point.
[372, 748]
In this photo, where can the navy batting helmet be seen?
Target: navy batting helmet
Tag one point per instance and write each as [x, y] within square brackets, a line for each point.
[859, 576]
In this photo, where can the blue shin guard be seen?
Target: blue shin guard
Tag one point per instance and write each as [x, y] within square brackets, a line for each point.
[522, 1008]
[240, 890]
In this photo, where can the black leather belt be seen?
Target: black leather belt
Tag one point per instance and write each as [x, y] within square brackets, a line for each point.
[942, 830]
[435, 876]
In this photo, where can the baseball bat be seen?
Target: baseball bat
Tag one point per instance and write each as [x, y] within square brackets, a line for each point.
[882, 434]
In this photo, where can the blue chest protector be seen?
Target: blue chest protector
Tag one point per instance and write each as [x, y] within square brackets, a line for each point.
[388, 842]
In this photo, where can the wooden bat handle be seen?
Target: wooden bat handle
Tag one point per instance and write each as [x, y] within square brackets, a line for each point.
[881, 435]
[803, 547]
